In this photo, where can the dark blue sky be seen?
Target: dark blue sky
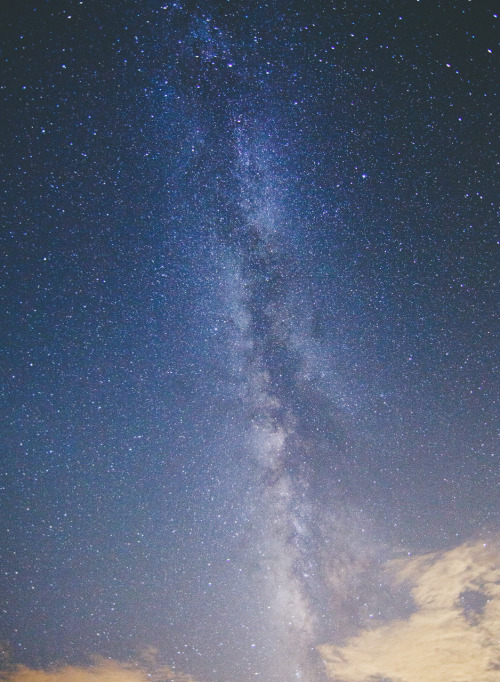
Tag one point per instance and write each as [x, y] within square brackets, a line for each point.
[249, 332]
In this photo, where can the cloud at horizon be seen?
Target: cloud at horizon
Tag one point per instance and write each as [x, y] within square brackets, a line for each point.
[452, 634]
[102, 670]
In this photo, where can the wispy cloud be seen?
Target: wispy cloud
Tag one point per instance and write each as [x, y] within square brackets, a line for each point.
[103, 670]
[453, 633]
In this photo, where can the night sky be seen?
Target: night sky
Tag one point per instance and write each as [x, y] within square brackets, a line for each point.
[249, 339]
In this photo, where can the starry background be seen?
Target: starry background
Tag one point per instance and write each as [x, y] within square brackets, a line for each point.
[248, 320]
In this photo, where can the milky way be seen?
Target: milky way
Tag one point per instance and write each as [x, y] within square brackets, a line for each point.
[295, 431]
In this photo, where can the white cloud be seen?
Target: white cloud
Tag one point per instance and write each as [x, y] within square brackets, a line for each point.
[103, 670]
[453, 635]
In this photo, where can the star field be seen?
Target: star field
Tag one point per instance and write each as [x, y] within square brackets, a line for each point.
[249, 332]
